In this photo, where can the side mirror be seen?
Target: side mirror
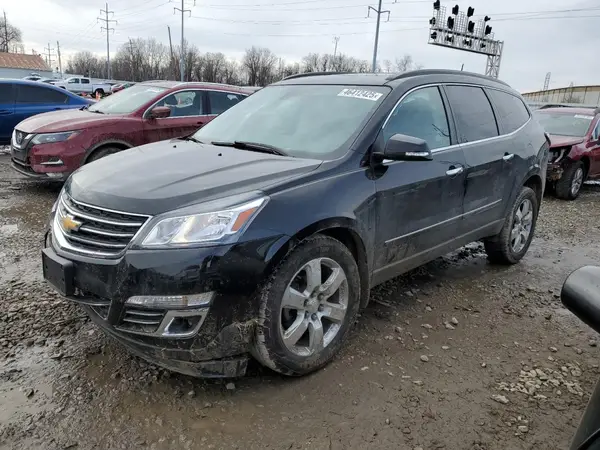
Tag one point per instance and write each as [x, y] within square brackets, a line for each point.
[581, 295]
[159, 112]
[401, 147]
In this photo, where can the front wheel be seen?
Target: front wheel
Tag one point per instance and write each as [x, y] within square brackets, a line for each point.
[510, 245]
[570, 183]
[307, 307]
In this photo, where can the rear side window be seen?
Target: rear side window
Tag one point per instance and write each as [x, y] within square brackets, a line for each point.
[473, 113]
[222, 101]
[511, 112]
[85, 81]
[6, 93]
[35, 94]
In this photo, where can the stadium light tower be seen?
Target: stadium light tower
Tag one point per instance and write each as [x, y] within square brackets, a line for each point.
[461, 32]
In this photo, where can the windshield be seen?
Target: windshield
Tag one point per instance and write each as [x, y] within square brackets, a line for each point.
[127, 100]
[307, 121]
[563, 124]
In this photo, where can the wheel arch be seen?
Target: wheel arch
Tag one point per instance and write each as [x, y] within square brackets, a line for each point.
[535, 182]
[121, 145]
[344, 230]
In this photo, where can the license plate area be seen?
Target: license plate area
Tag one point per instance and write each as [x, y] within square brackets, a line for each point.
[59, 272]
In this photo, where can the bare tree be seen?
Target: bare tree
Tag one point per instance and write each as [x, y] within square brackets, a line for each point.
[86, 63]
[10, 36]
[259, 63]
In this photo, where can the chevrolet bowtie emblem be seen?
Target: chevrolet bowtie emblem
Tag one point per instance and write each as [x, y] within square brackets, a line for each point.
[70, 224]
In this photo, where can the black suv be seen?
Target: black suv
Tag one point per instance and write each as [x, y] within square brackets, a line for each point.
[263, 232]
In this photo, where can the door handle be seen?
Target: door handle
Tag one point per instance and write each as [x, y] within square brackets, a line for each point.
[508, 156]
[4, 112]
[454, 171]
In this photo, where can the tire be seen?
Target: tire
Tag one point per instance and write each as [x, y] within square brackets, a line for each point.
[101, 153]
[501, 249]
[293, 356]
[569, 185]
[99, 91]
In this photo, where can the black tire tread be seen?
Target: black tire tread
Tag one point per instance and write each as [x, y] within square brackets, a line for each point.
[263, 349]
[563, 185]
[498, 247]
[102, 152]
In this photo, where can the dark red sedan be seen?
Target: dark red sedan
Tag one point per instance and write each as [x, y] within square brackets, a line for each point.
[53, 145]
[575, 147]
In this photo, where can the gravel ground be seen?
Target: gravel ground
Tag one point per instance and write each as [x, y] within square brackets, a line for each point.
[455, 355]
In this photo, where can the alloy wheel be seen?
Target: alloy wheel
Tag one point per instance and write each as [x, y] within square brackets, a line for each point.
[577, 181]
[522, 224]
[314, 307]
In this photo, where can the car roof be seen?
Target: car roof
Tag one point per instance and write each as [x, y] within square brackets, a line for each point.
[167, 84]
[387, 79]
[38, 84]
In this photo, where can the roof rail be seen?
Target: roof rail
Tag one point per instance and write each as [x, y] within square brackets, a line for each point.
[596, 109]
[413, 73]
[314, 74]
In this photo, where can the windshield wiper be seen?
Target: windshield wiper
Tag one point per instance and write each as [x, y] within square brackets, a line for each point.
[252, 146]
[95, 111]
[193, 139]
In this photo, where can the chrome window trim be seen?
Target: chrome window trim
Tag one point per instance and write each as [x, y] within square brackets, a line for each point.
[460, 216]
[596, 132]
[459, 145]
[188, 90]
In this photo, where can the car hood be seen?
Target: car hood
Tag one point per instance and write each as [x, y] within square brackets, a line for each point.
[563, 141]
[168, 175]
[65, 120]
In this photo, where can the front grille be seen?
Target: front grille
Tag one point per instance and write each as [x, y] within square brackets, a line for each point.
[94, 230]
[141, 320]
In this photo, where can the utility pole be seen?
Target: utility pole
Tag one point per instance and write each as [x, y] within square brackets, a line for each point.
[335, 41]
[108, 29]
[131, 53]
[172, 65]
[5, 33]
[59, 61]
[49, 59]
[182, 59]
[379, 12]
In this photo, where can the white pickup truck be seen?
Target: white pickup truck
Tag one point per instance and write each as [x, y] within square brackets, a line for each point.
[80, 84]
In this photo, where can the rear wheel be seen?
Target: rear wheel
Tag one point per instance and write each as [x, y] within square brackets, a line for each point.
[510, 245]
[308, 307]
[569, 185]
[102, 152]
[99, 91]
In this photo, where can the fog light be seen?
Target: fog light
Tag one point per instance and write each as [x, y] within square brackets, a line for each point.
[53, 161]
[172, 301]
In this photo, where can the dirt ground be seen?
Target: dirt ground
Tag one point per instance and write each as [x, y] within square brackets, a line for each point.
[455, 355]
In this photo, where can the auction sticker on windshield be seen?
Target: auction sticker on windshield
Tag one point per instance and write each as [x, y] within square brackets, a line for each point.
[361, 93]
[581, 116]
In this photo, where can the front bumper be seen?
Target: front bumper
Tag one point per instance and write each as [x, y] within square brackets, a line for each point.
[53, 161]
[220, 346]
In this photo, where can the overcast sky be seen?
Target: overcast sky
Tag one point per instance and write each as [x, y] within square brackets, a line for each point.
[536, 42]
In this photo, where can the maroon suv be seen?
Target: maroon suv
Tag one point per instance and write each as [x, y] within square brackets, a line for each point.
[52, 145]
[575, 147]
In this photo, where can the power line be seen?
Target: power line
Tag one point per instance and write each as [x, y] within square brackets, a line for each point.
[108, 29]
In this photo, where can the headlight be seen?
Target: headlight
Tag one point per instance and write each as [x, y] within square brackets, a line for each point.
[205, 227]
[49, 138]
